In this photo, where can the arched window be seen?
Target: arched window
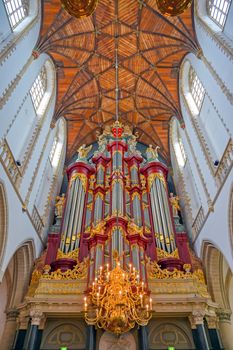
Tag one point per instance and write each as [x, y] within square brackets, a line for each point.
[196, 89]
[38, 88]
[218, 10]
[52, 167]
[179, 150]
[181, 165]
[16, 10]
[206, 121]
[34, 113]
[177, 144]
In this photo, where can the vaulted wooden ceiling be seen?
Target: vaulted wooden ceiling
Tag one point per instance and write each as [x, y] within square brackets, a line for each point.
[149, 48]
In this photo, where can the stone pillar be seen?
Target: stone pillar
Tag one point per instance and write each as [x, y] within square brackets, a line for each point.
[34, 335]
[20, 333]
[9, 329]
[91, 338]
[213, 328]
[200, 337]
[226, 328]
[143, 338]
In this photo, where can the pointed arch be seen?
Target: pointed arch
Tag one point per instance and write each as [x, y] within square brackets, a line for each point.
[3, 220]
[230, 218]
[213, 261]
[23, 260]
[14, 288]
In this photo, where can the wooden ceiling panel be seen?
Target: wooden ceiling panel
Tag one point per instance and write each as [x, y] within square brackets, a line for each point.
[146, 47]
[127, 11]
[129, 41]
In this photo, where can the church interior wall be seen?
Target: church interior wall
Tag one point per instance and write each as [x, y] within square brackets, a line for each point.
[20, 228]
[199, 156]
[13, 290]
[5, 30]
[16, 110]
[21, 243]
[216, 227]
[219, 279]
[228, 28]
[215, 42]
[16, 50]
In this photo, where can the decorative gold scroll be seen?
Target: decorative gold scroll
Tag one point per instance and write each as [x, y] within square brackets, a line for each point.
[154, 176]
[163, 254]
[70, 255]
[155, 271]
[78, 272]
[82, 178]
[135, 194]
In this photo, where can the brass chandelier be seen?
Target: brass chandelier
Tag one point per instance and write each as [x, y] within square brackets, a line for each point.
[85, 8]
[118, 300]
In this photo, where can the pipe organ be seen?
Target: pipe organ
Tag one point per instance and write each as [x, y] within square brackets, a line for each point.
[117, 250]
[118, 201]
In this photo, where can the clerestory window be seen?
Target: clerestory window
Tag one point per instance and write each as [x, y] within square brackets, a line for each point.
[218, 10]
[52, 152]
[196, 89]
[38, 88]
[16, 11]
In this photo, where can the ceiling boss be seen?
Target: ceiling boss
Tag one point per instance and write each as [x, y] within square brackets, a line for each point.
[79, 8]
[85, 8]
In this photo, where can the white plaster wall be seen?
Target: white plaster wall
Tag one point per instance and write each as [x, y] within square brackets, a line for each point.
[5, 29]
[25, 122]
[3, 298]
[20, 228]
[11, 108]
[228, 28]
[17, 119]
[215, 71]
[218, 56]
[216, 228]
[27, 36]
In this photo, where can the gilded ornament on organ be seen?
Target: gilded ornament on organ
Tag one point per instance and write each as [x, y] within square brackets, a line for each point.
[83, 152]
[174, 200]
[92, 181]
[152, 154]
[59, 205]
[143, 181]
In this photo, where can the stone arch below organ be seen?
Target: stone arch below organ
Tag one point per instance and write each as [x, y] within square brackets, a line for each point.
[125, 341]
[64, 332]
[168, 332]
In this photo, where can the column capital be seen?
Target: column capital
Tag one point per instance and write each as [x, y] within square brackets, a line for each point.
[196, 318]
[36, 317]
[22, 321]
[12, 314]
[212, 322]
[224, 315]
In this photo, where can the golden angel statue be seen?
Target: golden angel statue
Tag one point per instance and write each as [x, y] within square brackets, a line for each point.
[152, 154]
[60, 202]
[83, 152]
[174, 200]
